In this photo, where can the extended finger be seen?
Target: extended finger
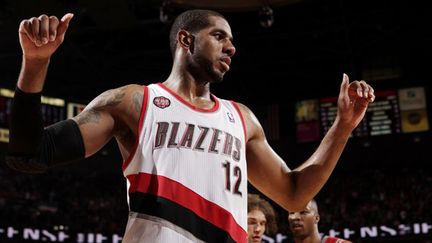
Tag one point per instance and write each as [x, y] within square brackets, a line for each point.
[53, 25]
[344, 84]
[34, 22]
[63, 25]
[44, 28]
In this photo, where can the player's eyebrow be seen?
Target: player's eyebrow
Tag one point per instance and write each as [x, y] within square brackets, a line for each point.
[230, 37]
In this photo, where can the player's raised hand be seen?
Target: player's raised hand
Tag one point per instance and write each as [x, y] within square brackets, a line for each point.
[41, 36]
[354, 99]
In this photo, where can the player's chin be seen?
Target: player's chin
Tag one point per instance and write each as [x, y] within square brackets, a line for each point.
[218, 76]
[297, 229]
[218, 80]
[256, 239]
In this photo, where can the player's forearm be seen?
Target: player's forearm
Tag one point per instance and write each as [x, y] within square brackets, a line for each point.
[331, 147]
[32, 75]
[313, 174]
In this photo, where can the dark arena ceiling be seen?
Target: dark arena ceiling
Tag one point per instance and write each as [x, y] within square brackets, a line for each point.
[301, 55]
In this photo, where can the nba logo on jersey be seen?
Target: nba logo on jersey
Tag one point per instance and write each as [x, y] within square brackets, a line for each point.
[161, 102]
[230, 117]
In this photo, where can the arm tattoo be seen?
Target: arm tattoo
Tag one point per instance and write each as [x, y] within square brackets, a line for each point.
[109, 98]
[138, 101]
[115, 97]
[89, 116]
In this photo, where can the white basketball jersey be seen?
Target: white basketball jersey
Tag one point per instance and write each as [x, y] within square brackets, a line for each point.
[187, 179]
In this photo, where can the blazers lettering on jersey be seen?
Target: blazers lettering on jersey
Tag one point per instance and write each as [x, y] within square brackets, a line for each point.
[218, 143]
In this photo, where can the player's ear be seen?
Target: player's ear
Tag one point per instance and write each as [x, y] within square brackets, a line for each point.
[185, 40]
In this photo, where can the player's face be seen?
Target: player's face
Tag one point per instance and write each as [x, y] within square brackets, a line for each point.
[256, 226]
[212, 51]
[302, 224]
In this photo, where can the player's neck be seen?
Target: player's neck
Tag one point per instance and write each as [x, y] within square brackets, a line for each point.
[187, 86]
[189, 89]
[314, 238]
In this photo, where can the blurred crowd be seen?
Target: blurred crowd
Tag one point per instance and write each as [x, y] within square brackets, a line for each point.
[91, 203]
[369, 198]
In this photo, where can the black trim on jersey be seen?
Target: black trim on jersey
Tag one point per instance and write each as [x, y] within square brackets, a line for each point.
[178, 215]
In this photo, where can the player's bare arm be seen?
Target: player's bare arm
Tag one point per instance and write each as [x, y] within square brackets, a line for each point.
[293, 189]
[113, 113]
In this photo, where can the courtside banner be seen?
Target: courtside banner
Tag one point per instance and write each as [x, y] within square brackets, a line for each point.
[62, 233]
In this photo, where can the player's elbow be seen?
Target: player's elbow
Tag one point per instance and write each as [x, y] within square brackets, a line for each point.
[296, 196]
[295, 204]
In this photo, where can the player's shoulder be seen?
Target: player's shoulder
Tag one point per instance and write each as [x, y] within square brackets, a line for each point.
[253, 126]
[243, 108]
[129, 91]
[132, 88]
[247, 113]
[118, 98]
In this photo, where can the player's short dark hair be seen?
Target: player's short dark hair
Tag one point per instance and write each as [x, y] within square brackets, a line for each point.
[255, 202]
[192, 21]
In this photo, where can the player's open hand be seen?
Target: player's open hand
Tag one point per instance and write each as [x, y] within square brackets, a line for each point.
[40, 37]
[354, 99]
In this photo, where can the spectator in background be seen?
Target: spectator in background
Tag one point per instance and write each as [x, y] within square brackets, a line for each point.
[304, 226]
[261, 218]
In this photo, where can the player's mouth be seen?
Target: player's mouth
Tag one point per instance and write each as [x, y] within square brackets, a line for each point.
[225, 62]
[296, 226]
[256, 238]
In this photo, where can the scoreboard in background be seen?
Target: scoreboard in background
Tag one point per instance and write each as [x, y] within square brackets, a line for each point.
[53, 110]
[394, 111]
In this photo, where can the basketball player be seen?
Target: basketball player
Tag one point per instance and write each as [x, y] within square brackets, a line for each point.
[261, 218]
[184, 149]
[304, 226]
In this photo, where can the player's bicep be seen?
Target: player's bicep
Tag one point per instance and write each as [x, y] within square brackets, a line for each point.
[96, 127]
[97, 121]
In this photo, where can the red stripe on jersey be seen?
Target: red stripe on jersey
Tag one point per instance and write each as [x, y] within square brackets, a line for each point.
[164, 187]
[214, 98]
[140, 124]
[330, 239]
[241, 117]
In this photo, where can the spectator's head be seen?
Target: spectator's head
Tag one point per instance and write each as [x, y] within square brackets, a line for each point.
[304, 224]
[261, 218]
